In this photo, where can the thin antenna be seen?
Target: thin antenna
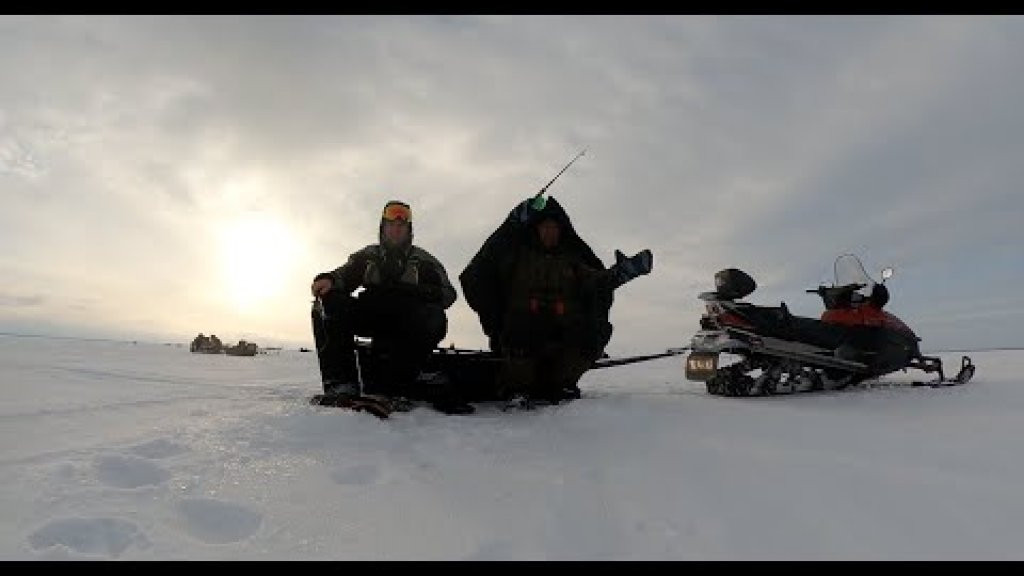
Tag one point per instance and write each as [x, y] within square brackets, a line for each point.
[545, 188]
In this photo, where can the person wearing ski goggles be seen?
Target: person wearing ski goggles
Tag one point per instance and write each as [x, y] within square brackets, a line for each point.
[401, 307]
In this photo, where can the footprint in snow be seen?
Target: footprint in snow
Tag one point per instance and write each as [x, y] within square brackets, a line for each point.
[126, 471]
[159, 448]
[218, 522]
[104, 537]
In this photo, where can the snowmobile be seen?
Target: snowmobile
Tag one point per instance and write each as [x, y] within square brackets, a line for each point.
[778, 352]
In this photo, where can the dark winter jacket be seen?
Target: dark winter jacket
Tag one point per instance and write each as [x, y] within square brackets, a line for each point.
[411, 273]
[522, 291]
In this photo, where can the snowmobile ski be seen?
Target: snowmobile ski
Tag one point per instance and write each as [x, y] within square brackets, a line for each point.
[963, 376]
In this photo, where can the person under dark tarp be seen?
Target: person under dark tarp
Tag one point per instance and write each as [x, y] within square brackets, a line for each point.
[543, 300]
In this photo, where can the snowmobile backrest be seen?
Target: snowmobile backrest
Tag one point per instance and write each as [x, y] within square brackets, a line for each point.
[733, 283]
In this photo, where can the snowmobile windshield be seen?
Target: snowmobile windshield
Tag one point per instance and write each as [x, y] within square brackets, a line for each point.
[849, 270]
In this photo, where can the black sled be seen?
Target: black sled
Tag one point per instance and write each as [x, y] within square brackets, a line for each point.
[854, 340]
[452, 376]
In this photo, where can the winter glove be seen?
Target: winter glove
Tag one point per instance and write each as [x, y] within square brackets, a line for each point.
[322, 284]
[626, 269]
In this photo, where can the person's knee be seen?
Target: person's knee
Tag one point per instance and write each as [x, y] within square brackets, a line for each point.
[436, 318]
[336, 303]
[431, 326]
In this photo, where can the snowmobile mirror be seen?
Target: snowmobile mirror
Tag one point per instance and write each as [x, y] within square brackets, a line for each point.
[886, 273]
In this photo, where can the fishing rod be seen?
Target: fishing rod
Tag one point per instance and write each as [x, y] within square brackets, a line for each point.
[537, 196]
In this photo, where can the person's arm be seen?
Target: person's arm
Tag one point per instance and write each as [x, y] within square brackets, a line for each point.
[434, 285]
[594, 282]
[346, 277]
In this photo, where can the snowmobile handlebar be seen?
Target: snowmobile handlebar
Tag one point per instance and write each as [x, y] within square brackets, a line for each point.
[836, 289]
[838, 296]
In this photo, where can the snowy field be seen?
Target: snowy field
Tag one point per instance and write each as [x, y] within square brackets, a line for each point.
[144, 451]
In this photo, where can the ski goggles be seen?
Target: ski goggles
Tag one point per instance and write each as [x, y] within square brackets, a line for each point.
[398, 212]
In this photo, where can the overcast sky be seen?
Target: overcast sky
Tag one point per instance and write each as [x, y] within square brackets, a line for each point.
[162, 176]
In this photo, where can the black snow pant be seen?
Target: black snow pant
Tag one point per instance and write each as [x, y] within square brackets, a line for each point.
[403, 333]
[543, 356]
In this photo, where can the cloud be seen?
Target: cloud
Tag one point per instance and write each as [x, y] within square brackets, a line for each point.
[769, 143]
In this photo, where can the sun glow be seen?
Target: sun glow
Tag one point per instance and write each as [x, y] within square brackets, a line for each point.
[256, 252]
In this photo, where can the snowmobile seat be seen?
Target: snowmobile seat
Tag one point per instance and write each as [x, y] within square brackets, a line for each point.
[733, 283]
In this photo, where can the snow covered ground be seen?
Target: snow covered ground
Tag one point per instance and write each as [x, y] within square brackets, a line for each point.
[113, 450]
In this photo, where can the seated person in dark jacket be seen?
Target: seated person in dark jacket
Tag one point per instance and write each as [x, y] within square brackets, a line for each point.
[402, 310]
[543, 299]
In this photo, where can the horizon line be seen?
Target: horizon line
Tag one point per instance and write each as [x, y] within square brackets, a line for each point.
[146, 341]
